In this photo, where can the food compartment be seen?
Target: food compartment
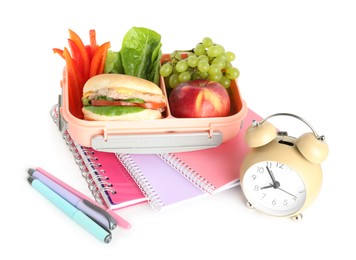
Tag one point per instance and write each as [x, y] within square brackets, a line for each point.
[169, 129]
[234, 95]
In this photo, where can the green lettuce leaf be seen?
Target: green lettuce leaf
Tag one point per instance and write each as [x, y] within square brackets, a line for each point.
[113, 110]
[140, 53]
[113, 63]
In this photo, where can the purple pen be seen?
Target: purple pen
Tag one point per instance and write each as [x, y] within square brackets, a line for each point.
[91, 210]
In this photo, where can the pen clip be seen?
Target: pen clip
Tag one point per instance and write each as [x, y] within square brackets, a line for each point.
[110, 219]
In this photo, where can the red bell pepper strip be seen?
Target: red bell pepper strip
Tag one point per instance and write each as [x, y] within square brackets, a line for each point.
[58, 51]
[75, 87]
[90, 54]
[82, 62]
[102, 63]
[77, 57]
[98, 60]
[86, 62]
[93, 45]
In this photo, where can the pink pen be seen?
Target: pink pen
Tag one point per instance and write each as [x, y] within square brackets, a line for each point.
[120, 221]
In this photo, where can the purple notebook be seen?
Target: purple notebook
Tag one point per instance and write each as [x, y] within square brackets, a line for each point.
[162, 184]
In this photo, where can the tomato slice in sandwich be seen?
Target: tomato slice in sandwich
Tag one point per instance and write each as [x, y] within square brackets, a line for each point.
[148, 105]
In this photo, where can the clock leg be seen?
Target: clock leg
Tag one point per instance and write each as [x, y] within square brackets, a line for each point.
[249, 205]
[297, 218]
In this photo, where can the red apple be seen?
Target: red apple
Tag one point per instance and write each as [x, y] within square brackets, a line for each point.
[199, 98]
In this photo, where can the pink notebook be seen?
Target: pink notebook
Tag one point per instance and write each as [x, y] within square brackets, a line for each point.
[214, 169]
[108, 179]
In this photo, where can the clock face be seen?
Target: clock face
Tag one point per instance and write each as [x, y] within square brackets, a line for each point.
[274, 188]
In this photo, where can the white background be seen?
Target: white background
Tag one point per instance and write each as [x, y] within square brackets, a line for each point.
[294, 56]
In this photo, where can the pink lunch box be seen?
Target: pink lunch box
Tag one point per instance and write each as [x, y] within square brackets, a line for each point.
[168, 134]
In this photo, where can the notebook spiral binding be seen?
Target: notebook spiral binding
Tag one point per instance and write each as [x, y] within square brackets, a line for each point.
[97, 183]
[154, 199]
[187, 172]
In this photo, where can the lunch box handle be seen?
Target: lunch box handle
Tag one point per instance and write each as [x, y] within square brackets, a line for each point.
[157, 143]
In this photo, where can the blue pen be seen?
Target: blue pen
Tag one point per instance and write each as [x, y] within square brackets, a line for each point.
[94, 212]
[78, 216]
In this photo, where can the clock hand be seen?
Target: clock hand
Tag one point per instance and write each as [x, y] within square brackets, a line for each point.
[275, 183]
[287, 193]
[275, 186]
[266, 187]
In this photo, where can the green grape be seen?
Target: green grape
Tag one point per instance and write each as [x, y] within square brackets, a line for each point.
[213, 51]
[207, 42]
[214, 69]
[227, 65]
[219, 61]
[225, 81]
[184, 76]
[166, 69]
[182, 66]
[203, 58]
[175, 55]
[216, 77]
[232, 73]
[192, 61]
[203, 66]
[174, 68]
[199, 49]
[230, 56]
[203, 75]
[222, 56]
[208, 60]
[173, 80]
[196, 75]
[221, 49]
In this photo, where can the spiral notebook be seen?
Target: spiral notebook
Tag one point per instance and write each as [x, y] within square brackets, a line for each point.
[216, 169]
[108, 180]
[163, 185]
[171, 179]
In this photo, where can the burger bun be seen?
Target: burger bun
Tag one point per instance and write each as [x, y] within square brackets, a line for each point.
[122, 81]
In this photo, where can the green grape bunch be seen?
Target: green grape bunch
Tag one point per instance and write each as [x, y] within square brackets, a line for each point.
[208, 60]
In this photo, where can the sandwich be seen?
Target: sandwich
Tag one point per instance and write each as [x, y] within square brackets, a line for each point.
[122, 97]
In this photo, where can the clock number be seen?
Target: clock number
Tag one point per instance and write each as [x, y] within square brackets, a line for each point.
[279, 165]
[269, 164]
[285, 202]
[302, 191]
[257, 188]
[274, 202]
[263, 196]
[253, 177]
[260, 169]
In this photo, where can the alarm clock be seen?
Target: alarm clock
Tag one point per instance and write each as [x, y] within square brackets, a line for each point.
[281, 175]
